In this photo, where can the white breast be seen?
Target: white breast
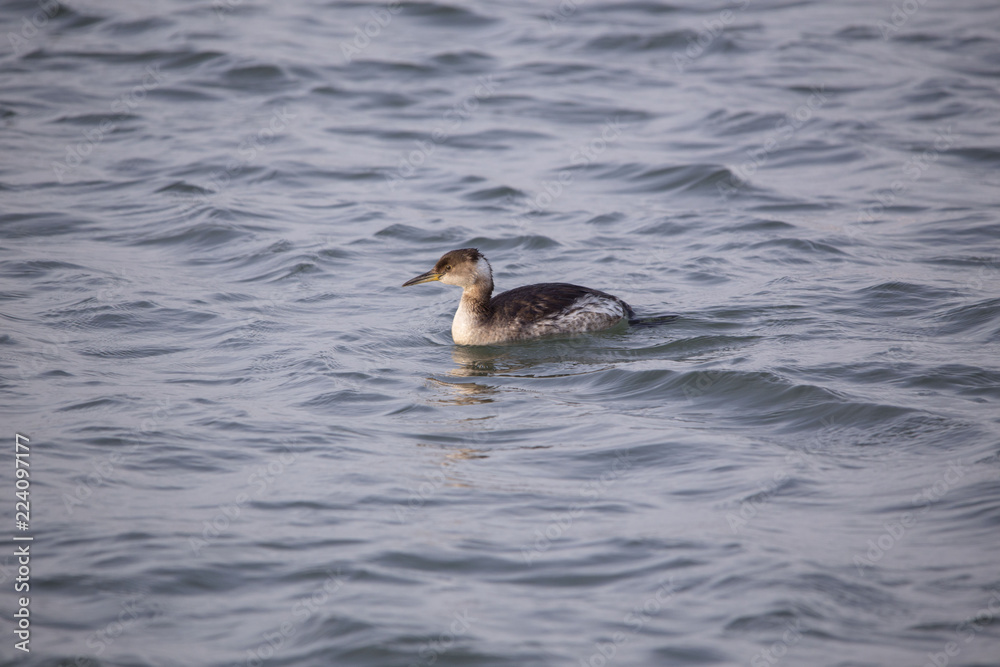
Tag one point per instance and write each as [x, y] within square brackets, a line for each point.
[463, 327]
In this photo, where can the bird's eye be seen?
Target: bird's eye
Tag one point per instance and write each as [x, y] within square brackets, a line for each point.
[447, 268]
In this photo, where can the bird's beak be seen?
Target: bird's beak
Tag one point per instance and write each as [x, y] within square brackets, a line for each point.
[423, 278]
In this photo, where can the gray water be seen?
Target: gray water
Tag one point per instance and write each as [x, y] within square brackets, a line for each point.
[250, 446]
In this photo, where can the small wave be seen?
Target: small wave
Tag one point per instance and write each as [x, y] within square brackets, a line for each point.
[664, 179]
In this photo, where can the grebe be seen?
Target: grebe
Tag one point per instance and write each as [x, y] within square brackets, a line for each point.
[522, 313]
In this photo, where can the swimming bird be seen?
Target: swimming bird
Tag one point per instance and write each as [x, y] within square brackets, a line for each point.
[523, 313]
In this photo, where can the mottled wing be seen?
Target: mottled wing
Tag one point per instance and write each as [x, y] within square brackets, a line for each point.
[532, 303]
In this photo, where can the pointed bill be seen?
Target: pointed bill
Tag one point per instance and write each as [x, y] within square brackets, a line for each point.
[423, 278]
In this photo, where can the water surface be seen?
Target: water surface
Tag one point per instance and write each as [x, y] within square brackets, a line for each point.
[251, 447]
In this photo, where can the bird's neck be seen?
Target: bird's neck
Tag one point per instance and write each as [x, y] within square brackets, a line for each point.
[473, 312]
[476, 299]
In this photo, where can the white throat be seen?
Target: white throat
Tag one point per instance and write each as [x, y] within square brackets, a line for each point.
[463, 327]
